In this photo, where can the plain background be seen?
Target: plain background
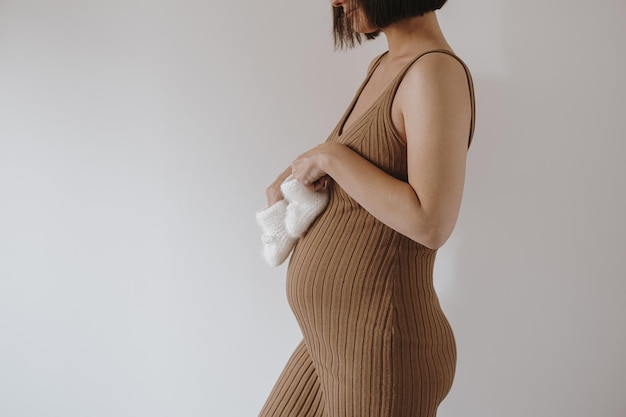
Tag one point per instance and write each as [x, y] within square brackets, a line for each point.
[136, 141]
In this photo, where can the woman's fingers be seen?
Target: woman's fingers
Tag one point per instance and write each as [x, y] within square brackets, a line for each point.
[320, 183]
[273, 193]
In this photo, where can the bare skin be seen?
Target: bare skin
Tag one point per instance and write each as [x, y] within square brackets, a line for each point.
[431, 112]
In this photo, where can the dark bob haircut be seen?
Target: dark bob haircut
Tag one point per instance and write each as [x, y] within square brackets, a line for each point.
[380, 14]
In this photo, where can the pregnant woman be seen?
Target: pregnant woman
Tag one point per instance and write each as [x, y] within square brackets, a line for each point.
[360, 281]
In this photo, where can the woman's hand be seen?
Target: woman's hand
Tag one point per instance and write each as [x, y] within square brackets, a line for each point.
[273, 192]
[307, 168]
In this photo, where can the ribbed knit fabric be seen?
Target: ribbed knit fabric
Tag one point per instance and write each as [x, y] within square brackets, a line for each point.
[376, 342]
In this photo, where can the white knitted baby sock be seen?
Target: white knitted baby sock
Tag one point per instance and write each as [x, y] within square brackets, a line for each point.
[277, 243]
[304, 206]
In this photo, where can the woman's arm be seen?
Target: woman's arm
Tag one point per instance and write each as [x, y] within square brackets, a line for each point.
[434, 107]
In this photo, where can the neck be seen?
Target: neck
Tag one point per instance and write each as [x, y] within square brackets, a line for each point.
[413, 36]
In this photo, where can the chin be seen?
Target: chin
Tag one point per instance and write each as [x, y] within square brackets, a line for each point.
[360, 24]
[363, 29]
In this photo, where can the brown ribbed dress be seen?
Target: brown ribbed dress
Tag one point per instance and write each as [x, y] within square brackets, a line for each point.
[376, 342]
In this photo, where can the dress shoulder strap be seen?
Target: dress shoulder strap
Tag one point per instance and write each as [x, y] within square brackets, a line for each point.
[375, 63]
[470, 83]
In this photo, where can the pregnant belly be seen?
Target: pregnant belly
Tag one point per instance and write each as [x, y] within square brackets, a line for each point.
[339, 268]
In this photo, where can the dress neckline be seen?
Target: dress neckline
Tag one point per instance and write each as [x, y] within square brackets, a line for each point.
[342, 130]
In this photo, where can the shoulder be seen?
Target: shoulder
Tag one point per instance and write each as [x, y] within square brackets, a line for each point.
[436, 72]
[434, 99]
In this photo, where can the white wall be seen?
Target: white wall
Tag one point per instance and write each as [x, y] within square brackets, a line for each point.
[136, 140]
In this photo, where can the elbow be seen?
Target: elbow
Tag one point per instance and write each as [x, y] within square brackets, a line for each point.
[430, 226]
[433, 238]
[434, 241]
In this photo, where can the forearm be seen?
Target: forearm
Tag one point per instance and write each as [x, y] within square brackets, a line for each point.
[392, 201]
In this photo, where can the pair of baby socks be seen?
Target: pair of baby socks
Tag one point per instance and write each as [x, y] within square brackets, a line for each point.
[284, 222]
